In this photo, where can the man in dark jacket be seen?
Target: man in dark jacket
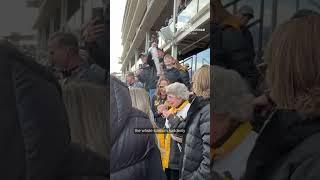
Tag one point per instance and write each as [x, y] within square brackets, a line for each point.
[64, 54]
[133, 156]
[34, 133]
[244, 15]
[232, 50]
[147, 74]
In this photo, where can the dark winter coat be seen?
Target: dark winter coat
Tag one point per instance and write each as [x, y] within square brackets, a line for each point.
[34, 132]
[133, 156]
[88, 73]
[195, 161]
[233, 50]
[174, 75]
[196, 152]
[148, 76]
[287, 149]
[184, 75]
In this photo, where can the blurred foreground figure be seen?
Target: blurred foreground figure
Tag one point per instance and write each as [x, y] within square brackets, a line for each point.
[34, 132]
[288, 146]
[232, 133]
[133, 156]
[86, 105]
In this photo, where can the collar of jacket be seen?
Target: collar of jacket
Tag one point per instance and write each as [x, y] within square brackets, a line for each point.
[233, 22]
[175, 110]
[196, 105]
[234, 140]
[11, 52]
[285, 130]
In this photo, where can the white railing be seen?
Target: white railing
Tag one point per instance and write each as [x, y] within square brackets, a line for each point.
[183, 20]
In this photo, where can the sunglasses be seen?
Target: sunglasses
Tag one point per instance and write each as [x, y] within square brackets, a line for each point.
[161, 86]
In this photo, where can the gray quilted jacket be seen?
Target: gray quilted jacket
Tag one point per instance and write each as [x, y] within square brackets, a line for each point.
[196, 158]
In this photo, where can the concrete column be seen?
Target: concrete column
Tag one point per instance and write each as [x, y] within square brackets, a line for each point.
[82, 11]
[51, 25]
[147, 41]
[62, 11]
[38, 44]
[130, 65]
[274, 14]
[136, 58]
[174, 50]
[65, 14]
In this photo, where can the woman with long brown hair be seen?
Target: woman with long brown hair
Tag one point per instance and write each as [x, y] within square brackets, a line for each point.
[159, 98]
[288, 146]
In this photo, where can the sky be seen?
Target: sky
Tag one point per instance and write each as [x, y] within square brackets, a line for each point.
[116, 16]
[15, 16]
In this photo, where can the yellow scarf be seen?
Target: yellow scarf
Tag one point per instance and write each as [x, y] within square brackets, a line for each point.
[236, 138]
[174, 110]
[232, 21]
[165, 139]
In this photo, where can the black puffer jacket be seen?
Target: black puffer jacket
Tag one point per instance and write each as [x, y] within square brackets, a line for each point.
[287, 149]
[196, 152]
[133, 156]
[34, 133]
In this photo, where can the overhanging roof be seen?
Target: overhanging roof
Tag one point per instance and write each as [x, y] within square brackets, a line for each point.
[151, 15]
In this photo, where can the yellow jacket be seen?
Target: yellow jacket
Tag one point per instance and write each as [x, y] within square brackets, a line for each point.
[164, 140]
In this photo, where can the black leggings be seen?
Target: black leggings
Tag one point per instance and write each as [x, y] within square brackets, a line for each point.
[172, 174]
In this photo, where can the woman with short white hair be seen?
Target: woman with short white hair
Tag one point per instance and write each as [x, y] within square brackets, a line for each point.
[232, 135]
[175, 108]
[191, 120]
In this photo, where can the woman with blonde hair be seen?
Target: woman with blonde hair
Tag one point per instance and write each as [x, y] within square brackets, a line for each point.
[141, 100]
[201, 82]
[175, 72]
[86, 105]
[288, 146]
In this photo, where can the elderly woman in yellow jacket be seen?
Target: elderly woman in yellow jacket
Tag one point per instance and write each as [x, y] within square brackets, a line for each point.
[170, 142]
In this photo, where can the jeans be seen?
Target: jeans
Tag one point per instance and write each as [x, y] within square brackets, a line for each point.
[152, 92]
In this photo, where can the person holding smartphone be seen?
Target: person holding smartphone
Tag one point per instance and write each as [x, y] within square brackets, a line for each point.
[95, 37]
[147, 74]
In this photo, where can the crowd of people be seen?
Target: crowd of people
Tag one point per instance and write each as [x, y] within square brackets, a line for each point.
[72, 120]
[179, 112]
[268, 133]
